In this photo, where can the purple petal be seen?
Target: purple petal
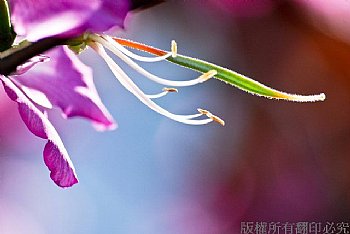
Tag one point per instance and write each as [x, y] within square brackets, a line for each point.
[23, 68]
[65, 18]
[55, 155]
[62, 170]
[31, 118]
[68, 84]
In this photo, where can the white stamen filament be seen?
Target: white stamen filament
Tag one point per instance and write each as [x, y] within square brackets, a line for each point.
[110, 44]
[162, 94]
[158, 95]
[130, 86]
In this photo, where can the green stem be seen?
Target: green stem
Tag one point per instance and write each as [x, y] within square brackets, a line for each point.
[7, 35]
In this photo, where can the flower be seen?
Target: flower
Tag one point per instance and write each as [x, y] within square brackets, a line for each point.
[66, 83]
[63, 81]
[98, 42]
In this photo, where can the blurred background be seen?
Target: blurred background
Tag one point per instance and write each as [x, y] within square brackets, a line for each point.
[274, 161]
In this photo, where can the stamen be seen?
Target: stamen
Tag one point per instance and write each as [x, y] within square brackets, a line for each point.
[217, 119]
[133, 55]
[170, 90]
[173, 48]
[130, 86]
[211, 116]
[209, 74]
[202, 111]
[158, 95]
[162, 94]
[111, 45]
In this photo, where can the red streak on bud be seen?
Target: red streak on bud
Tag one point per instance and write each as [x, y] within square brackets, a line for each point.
[140, 46]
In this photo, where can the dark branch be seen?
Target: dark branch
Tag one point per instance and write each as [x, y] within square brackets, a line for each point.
[11, 62]
[143, 4]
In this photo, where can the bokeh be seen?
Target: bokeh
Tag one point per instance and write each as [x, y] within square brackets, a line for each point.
[274, 161]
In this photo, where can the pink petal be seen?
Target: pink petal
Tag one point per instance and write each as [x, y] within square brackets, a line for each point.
[23, 68]
[55, 155]
[67, 83]
[65, 18]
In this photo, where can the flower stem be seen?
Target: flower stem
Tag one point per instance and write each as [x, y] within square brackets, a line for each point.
[7, 35]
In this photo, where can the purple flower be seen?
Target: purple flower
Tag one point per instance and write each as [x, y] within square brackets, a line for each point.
[66, 83]
[63, 81]
[66, 18]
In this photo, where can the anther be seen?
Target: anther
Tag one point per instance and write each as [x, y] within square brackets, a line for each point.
[209, 74]
[217, 119]
[211, 116]
[170, 90]
[202, 111]
[173, 49]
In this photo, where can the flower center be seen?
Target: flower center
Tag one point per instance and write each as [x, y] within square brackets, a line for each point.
[99, 42]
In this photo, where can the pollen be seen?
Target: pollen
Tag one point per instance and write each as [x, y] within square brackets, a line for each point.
[173, 48]
[217, 119]
[170, 90]
[211, 116]
[202, 111]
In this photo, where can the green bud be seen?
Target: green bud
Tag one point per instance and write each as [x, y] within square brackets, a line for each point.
[7, 34]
